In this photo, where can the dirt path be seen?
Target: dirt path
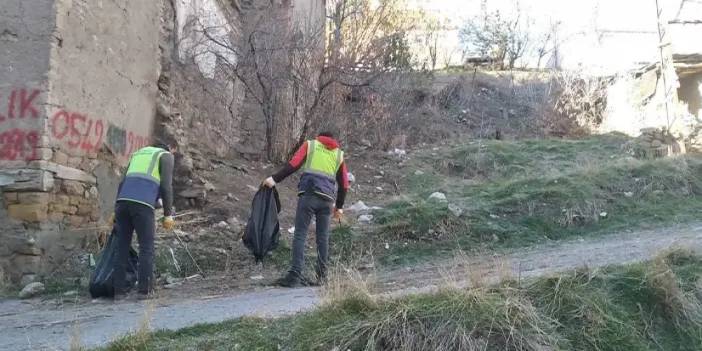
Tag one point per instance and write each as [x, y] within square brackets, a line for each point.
[33, 325]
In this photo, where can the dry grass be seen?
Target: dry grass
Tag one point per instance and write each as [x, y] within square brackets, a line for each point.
[75, 343]
[345, 282]
[142, 336]
[476, 319]
[683, 308]
[5, 285]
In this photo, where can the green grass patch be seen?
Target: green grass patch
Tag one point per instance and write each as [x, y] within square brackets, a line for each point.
[523, 193]
[647, 306]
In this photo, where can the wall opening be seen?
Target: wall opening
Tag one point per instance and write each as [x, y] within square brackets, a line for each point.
[690, 92]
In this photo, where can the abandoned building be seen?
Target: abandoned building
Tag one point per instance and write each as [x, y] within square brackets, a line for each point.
[648, 97]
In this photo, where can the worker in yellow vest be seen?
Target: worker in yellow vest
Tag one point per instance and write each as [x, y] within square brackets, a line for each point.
[321, 193]
[149, 178]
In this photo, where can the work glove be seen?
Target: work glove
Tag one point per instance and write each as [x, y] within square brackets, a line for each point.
[269, 182]
[338, 214]
[168, 223]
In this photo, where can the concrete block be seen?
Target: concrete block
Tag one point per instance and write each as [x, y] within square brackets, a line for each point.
[76, 221]
[28, 213]
[60, 157]
[72, 187]
[44, 154]
[10, 198]
[34, 198]
[27, 180]
[64, 172]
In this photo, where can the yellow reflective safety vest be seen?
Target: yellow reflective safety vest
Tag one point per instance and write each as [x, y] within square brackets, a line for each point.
[142, 182]
[320, 169]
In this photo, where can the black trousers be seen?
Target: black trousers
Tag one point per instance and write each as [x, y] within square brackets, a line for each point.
[130, 217]
[308, 206]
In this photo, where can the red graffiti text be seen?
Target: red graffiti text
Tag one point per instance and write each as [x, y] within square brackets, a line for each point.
[20, 104]
[135, 142]
[18, 144]
[77, 130]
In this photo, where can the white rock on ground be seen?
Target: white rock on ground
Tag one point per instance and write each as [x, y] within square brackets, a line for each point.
[438, 197]
[418, 173]
[365, 219]
[352, 179]
[31, 290]
[222, 225]
[455, 209]
[358, 207]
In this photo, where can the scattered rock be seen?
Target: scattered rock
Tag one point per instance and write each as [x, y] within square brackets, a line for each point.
[231, 197]
[438, 196]
[352, 179]
[222, 225]
[291, 230]
[377, 188]
[365, 219]
[252, 188]
[235, 224]
[209, 186]
[257, 277]
[387, 246]
[494, 216]
[359, 207]
[31, 290]
[70, 293]
[194, 276]
[629, 194]
[398, 152]
[418, 173]
[455, 209]
[366, 143]
[603, 214]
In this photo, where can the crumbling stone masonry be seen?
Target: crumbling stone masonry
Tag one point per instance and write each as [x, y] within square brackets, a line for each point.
[83, 84]
[77, 95]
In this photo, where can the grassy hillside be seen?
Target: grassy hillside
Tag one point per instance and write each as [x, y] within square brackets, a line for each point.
[648, 306]
[518, 193]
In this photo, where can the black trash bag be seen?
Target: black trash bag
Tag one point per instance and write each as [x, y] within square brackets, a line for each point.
[263, 230]
[102, 279]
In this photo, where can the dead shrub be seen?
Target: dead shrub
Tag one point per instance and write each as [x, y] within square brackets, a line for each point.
[579, 104]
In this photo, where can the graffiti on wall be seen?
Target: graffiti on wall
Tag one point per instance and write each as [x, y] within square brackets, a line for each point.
[74, 130]
[20, 104]
[17, 143]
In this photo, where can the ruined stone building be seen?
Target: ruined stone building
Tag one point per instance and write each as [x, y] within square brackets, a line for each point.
[637, 99]
[85, 83]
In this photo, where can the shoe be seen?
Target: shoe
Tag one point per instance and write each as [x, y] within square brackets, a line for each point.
[291, 280]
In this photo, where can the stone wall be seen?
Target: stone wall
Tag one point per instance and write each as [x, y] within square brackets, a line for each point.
[83, 84]
[80, 97]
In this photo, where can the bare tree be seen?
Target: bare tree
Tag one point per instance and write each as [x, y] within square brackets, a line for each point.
[503, 38]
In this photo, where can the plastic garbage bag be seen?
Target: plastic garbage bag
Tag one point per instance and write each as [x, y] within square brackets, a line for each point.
[263, 230]
[101, 281]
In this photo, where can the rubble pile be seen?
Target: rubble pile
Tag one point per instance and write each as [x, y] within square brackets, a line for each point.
[658, 142]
